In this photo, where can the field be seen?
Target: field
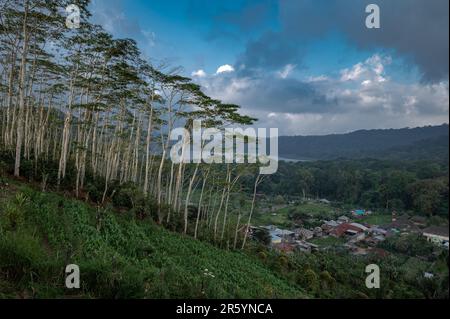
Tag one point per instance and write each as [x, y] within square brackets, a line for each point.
[376, 219]
[327, 241]
[280, 217]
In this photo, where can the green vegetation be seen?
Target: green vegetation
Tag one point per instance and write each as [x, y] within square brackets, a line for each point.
[419, 187]
[296, 213]
[122, 256]
[119, 256]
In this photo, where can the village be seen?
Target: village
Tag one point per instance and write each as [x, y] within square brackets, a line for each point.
[350, 232]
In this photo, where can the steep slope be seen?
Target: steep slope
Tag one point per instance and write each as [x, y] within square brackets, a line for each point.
[118, 256]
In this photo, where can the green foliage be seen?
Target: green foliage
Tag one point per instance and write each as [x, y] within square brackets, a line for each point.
[418, 186]
[411, 245]
[119, 256]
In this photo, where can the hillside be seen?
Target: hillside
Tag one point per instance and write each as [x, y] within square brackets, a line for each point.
[405, 142]
[118, 256]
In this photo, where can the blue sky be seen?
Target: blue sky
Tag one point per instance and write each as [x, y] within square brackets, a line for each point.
[307, 67]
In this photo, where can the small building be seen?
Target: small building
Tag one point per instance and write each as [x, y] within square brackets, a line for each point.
[305, 246]
[375, 230]
[331, 223]
[437, 235]
[274, 239]
[318, 232]
[343, 219]
[402, 224]
[304, 233]
[362, 227]
[278, 235]
[358, 212]
[346, 229]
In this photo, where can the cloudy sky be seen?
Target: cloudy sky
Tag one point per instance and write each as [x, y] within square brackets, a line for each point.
[307, 67]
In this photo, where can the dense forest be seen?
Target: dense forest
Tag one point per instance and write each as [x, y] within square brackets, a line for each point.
[417, 186]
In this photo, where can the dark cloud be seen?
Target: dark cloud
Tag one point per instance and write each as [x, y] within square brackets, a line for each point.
[271, 51]
[416, 29]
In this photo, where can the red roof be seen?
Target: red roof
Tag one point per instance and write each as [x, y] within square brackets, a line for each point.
[342, 228]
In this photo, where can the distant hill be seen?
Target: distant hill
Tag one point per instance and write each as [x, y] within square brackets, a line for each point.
[406, 143]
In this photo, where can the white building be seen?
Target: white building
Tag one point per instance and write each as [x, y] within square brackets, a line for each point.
[437, 235]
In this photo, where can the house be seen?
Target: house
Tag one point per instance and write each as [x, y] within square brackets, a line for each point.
[274, 239]
[437, 235]
[379, 238]
[278, 235]
[358, 212]
[318, 232]
[329, 224]
[402, 224]
[284, 233]
[359, 237]
[375, 230]
[362, 227]
[304, 233]
[332, 223]
[343, 219]
[304, 246]
[346, 229]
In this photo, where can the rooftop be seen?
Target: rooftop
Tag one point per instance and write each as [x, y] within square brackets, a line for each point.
[437, 230]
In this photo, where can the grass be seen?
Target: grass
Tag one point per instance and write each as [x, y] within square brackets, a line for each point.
[118, 256]
[280, 217]
[327, 241]
[375, 219]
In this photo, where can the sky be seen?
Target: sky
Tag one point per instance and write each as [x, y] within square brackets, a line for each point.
[308, 67]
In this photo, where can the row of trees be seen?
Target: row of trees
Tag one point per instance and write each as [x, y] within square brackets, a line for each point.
[79, 107]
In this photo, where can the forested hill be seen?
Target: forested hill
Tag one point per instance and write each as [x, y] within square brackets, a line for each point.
[407, 143]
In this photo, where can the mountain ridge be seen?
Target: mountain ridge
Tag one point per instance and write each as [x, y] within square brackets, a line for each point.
[363, 143]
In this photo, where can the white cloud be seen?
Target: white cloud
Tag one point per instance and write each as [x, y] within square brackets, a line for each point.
[326, 104]
[224, 68]
[288, 68]
[354, 73]
[199, 73]
[370, 71]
